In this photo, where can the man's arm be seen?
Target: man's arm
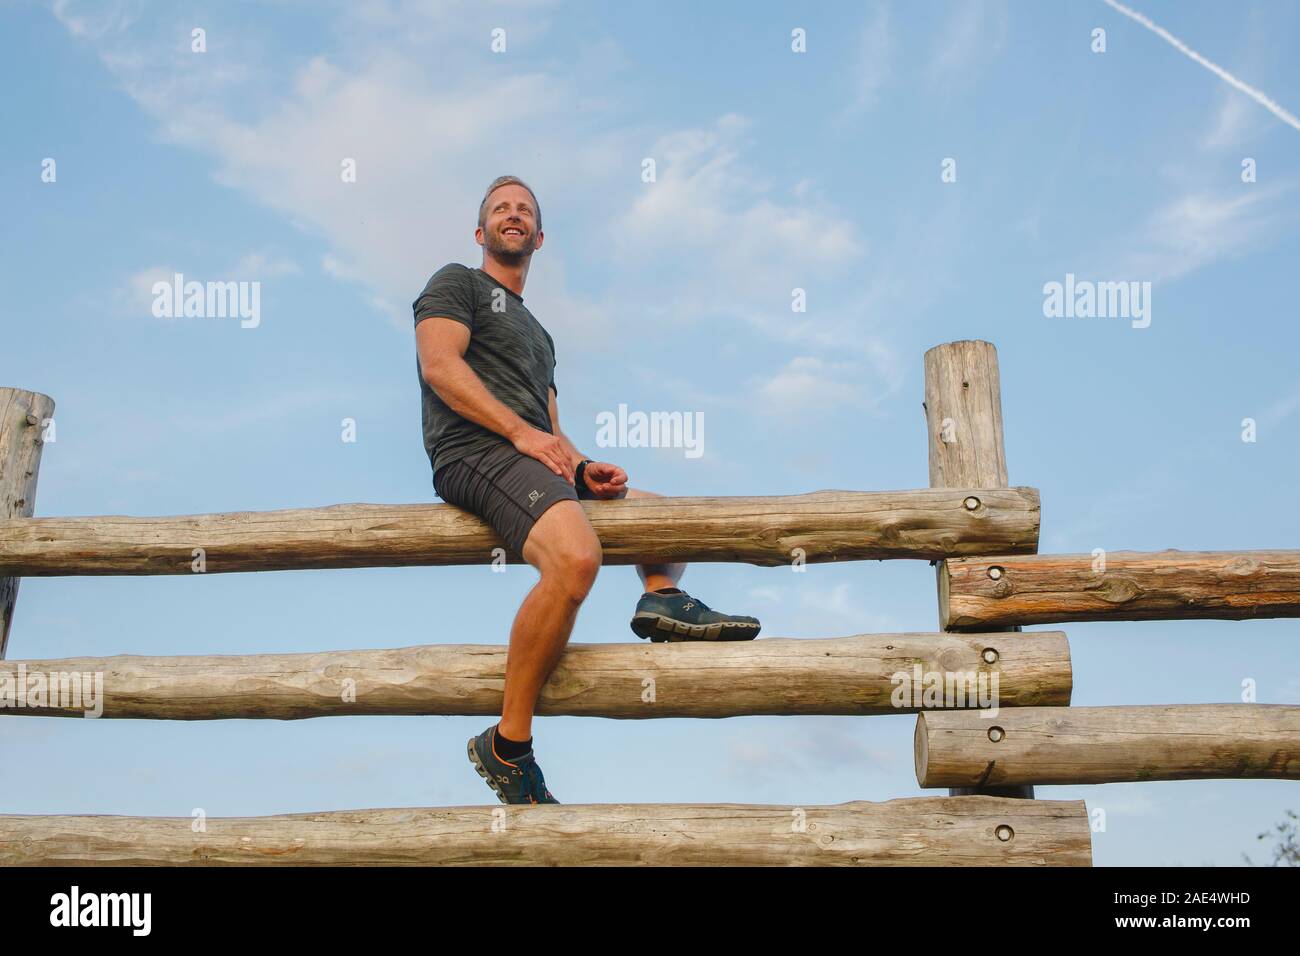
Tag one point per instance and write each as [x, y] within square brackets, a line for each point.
[570, 449]
[441, 344]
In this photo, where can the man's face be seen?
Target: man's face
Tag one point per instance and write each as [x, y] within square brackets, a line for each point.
[509, 229]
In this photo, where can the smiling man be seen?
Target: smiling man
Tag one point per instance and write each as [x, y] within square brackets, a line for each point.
[492, 433]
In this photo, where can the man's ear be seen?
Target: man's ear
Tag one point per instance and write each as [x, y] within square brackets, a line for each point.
[478, 235]
[538, 244]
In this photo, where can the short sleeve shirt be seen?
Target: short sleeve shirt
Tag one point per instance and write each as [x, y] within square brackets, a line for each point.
[508, 349]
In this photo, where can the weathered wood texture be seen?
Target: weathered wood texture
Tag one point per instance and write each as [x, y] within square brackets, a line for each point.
[847, 675]
[1077, 745]
[963, 416]
[770, 531]
[963, 407]
[920, 831]
[23, 416]
[991, 592]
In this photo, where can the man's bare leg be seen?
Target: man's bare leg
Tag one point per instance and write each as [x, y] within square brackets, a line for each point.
[654, 576]
[680, 614]
[566, 552]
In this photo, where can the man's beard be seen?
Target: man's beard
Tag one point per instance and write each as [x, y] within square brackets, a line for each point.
[496, 245]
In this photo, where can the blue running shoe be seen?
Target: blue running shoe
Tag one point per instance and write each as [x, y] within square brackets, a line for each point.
[680, 617]
[514, 781]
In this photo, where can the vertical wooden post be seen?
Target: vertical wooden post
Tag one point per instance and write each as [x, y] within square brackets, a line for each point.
[23, 417]
[963, 411]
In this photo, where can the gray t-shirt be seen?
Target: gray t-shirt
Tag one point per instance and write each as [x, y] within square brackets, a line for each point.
[508, 349]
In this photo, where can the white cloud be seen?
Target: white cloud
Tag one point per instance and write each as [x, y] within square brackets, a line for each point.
[419, 139]
[817, 745]
[973, 34]
[335, 269]
[748, 252]
[809, 385]
[135, 297]
[1197, 229]
[711, 241]
[873, 66]
[1282, 409]
[262, 265]
[705, 199]
[1233, 121]
[92, 22]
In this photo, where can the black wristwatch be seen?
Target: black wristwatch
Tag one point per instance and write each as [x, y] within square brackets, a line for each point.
[579, 483]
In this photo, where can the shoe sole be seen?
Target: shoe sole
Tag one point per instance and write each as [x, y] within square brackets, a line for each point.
[482, 772]
[660, 629]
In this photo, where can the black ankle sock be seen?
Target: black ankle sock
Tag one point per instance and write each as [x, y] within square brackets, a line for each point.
[667, 591]
[508, 749]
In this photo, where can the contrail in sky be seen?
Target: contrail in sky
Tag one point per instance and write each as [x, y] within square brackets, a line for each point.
[1182, 47]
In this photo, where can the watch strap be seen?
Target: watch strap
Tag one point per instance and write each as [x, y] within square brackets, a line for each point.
[579, 482]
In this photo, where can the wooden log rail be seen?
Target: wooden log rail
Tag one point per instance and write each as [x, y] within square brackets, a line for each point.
[919, 831]
[768, 531]
[994, 592]
[1078, 745]
[849, 675]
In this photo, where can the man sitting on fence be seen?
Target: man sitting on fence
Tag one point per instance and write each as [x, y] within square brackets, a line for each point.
[492, 432]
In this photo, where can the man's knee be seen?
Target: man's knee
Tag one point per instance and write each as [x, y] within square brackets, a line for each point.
[573, 567]
[578, 568]
[565, 549]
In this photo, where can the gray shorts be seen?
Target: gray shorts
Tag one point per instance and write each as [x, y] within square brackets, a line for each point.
[506, 488]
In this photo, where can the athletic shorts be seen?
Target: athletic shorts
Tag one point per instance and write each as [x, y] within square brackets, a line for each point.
[506, 488]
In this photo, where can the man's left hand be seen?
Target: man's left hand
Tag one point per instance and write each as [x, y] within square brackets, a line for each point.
[605, 480]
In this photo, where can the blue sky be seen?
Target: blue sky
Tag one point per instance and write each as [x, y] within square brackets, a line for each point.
[775, 170]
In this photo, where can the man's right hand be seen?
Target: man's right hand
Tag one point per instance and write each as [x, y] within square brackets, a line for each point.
[546, 448]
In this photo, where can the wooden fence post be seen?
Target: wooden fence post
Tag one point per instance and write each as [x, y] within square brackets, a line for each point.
[963, 412]
[23, 416]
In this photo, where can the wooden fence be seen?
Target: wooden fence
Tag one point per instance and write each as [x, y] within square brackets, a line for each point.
[981, 534]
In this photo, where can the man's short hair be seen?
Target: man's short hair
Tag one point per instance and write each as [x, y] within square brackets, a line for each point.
[508, 181]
